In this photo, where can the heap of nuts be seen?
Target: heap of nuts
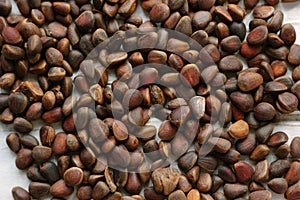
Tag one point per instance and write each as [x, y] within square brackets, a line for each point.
[207, 98]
